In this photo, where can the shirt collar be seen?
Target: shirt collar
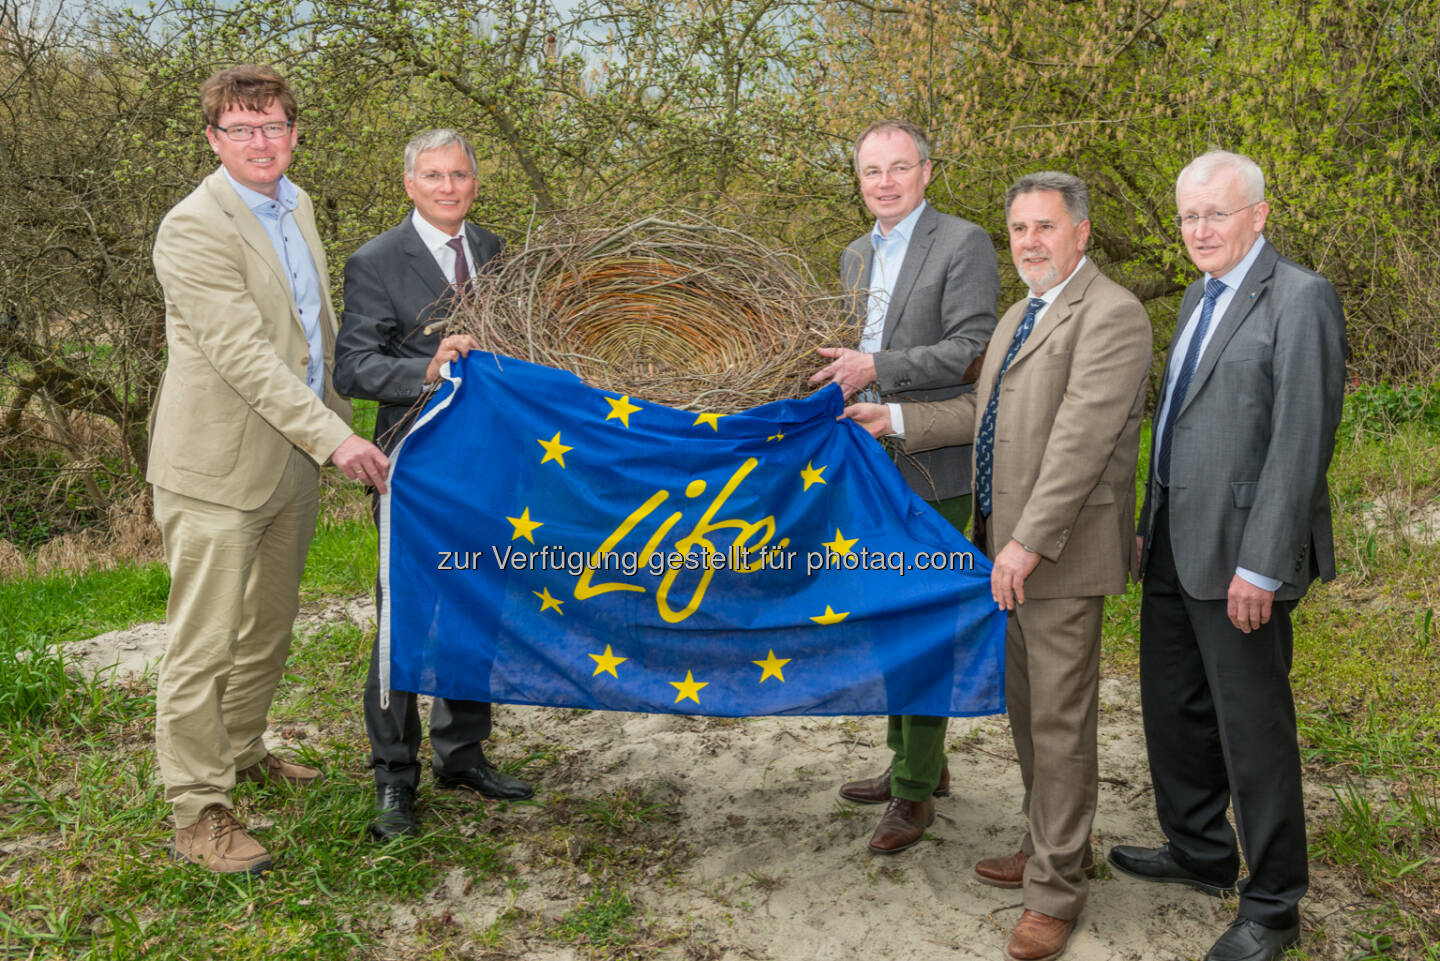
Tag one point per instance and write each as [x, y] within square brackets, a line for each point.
[432, 236]
[1053, 294]
[902, 230]
[286, 194]
[1236, 274]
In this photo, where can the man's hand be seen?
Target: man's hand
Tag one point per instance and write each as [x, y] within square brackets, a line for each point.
[1007, 577]
[851, 369]
[1139, 552]
[873, 417]
[1248, 605]
[456, 345]
[360, 460]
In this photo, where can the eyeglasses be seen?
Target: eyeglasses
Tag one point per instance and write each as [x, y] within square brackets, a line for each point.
[434, 178]
[1191, 221]
[896, 170]
[241, 132]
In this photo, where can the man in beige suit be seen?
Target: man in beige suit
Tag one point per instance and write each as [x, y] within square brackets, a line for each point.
[1055, 419]
[245, 416]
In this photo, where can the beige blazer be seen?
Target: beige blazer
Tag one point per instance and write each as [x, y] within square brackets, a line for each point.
[233, 401]
[1067, 432]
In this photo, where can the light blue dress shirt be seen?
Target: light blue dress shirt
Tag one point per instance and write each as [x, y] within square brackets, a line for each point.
[277, 217]
[1231, 280]
[885, 274]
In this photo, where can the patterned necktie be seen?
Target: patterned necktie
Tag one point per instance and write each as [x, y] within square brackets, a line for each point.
[1213, 290]
[985, 442]
[462, 268]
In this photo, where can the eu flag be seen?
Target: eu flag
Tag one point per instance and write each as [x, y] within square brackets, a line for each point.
[544, 542]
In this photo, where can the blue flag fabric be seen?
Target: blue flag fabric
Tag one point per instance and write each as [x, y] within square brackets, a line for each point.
[544, 542]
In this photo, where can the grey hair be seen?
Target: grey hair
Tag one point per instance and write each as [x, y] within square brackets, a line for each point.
[893, 125]
[1203, 169]
[438, 139]
[1070, 188]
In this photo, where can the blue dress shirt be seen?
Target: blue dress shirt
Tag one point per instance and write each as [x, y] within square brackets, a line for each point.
[277, 217]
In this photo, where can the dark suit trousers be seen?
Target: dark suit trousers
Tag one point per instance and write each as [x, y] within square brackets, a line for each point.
[1220, 727]
[457, 728]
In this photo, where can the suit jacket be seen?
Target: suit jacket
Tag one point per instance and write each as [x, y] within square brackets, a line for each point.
[1067, 431]
[233, 400]
[1254, 436]
[393, 290]
[939, 319]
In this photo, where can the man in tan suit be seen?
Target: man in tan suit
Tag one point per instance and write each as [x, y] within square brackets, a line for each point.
[1055, 419]
[245, 416]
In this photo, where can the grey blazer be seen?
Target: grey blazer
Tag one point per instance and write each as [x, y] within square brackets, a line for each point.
[940, 318]
[1254, 436]
[393, 289]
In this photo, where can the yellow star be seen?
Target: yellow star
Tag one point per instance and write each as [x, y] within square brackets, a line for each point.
[688, 688]
[774, 437]
[548, 603]
[524, 526]
[607, 662]
[712, 419]
[554, 450]
[620, 409]
[770, 667]
[830, 617]
[812, 474]
[841, 544]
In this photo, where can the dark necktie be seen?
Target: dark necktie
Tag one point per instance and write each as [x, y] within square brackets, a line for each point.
[1213, 290]
[985, 441]
[462, 267]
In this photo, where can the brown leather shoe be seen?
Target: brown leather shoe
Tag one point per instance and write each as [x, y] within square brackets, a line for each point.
[876, 790]
[1009, 871]
[1038, 937]
[272, 768]
[218, 842]
[903, 824]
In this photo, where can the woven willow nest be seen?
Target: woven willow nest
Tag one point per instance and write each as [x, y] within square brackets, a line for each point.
[679, 312]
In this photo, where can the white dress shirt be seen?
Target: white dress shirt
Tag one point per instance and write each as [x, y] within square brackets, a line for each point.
[437, 242]
[897, 413]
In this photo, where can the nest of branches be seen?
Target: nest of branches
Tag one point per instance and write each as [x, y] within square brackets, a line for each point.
[680, 312]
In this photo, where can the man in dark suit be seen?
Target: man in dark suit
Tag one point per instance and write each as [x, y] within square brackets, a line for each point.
[1235, 526]
[924, 288]
[396, 286]
[1055, 421]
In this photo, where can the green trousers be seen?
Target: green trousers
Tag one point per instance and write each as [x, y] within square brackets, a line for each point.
[918, 743]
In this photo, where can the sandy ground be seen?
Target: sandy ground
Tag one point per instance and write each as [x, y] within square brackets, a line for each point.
[777, 866]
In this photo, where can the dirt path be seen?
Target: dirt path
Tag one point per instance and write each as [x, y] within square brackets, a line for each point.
[776, 864]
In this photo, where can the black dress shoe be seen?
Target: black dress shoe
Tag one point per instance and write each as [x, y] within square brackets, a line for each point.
[1247, 940]
[1158, 864]
[394, 813]
[486, 780]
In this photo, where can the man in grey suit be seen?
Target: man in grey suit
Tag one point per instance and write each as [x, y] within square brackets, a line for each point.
[1055, 421]
[1235, 526]
[395, 286]
[924, 287]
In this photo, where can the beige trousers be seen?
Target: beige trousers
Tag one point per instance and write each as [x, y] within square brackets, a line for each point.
[234, 594]
[1052, 688]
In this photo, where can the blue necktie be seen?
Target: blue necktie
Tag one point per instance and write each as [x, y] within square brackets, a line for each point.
[1213, 290]
[985, 441]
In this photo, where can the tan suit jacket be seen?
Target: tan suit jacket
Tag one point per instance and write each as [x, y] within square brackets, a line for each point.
[1067, 433]
[233, 402]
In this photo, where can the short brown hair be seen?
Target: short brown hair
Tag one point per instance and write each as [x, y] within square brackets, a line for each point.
[893, 125]
[252, 86]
